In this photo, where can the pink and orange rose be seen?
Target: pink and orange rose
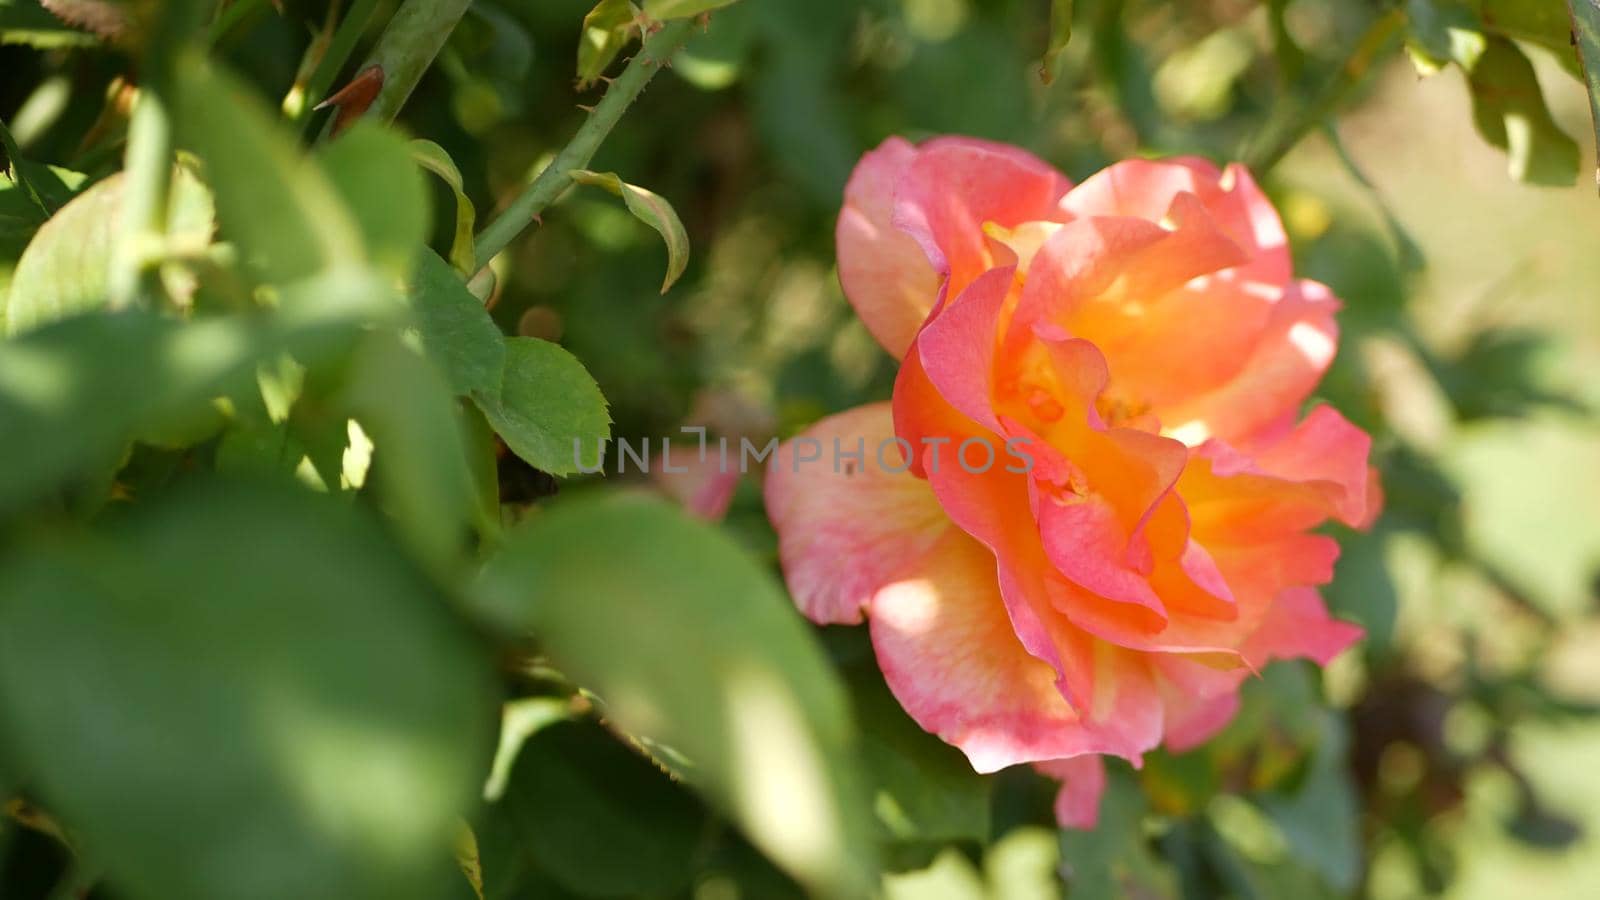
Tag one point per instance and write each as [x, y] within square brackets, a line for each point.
[1131, 357]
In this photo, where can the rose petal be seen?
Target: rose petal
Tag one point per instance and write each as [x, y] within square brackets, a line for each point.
[1295, 348]
[1324, 446]
[845, 531]
[883, 271]
[1145, 189]
[949, 654]
[957, 348]
[955, 185]
[1297, 624]
[705, 486]
[1083, 783]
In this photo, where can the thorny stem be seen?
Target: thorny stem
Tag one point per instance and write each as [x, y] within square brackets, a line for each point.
[657, 50]
[1286, 132]
[333, 59]
[407, 48]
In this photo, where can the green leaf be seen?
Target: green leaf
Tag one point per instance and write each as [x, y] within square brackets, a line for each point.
[63, 270]
[547, 408]
[73, 394]
[371, 167]
[280, 208]
[662, 10]
[1509, 111]
[421, 460]
[242, 691]
[1060, 34]
[1443, 31]
[606, 30]
[1114, 859]
[924, 790]
[259, 450]
[651, 209]
[1537, 22]
[1586, 28]
[433, 157]
[1320, 820]
[950, 876]
[689, 643]
[21, 216]
[26, 22]
[599, 818]
[456, 330]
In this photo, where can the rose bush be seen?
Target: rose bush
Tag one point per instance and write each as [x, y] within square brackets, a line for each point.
[1139, 347]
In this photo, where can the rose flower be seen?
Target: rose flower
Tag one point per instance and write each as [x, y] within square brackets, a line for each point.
[1087, 515]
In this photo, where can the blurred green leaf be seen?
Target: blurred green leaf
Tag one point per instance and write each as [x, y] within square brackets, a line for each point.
[433, 157]
[1442, 32]
[26, 22]
[600, 818]
[244, 692]
[547, 408]
[1319, 818]
[72, 394]
[1586, 31]
[663, 10]
[1363, 589]
[1546, 24]
[950, 876]
[259, 450]
[651, 209]
[689, 642]
[63, 270]
[421, 462]
[1114, 859]
[606, 30]
[372, 169]
[924, 789]
[1509, 112]
[281, 209]
[456, 330]
[1060, 33]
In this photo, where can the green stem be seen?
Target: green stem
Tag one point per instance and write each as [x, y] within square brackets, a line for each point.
[333, 59]
[408, 45]
[146, 178]
[147, 169]
[658, 49]
[1287, 131]
[236, 12]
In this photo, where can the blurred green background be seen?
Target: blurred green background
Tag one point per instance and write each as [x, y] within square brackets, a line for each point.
[1462, 758]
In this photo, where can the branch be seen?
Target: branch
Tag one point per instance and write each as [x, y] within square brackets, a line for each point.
[407, 48]
[657, 51]
[1280, 138]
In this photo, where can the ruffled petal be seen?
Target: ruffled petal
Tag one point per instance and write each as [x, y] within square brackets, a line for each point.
[955, 185]
[1145, 189]
[1295, 348]
[847, 527]
[1298, 625]
[949, 654]
[957, 348]
[883, 271]
[1325, 447]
